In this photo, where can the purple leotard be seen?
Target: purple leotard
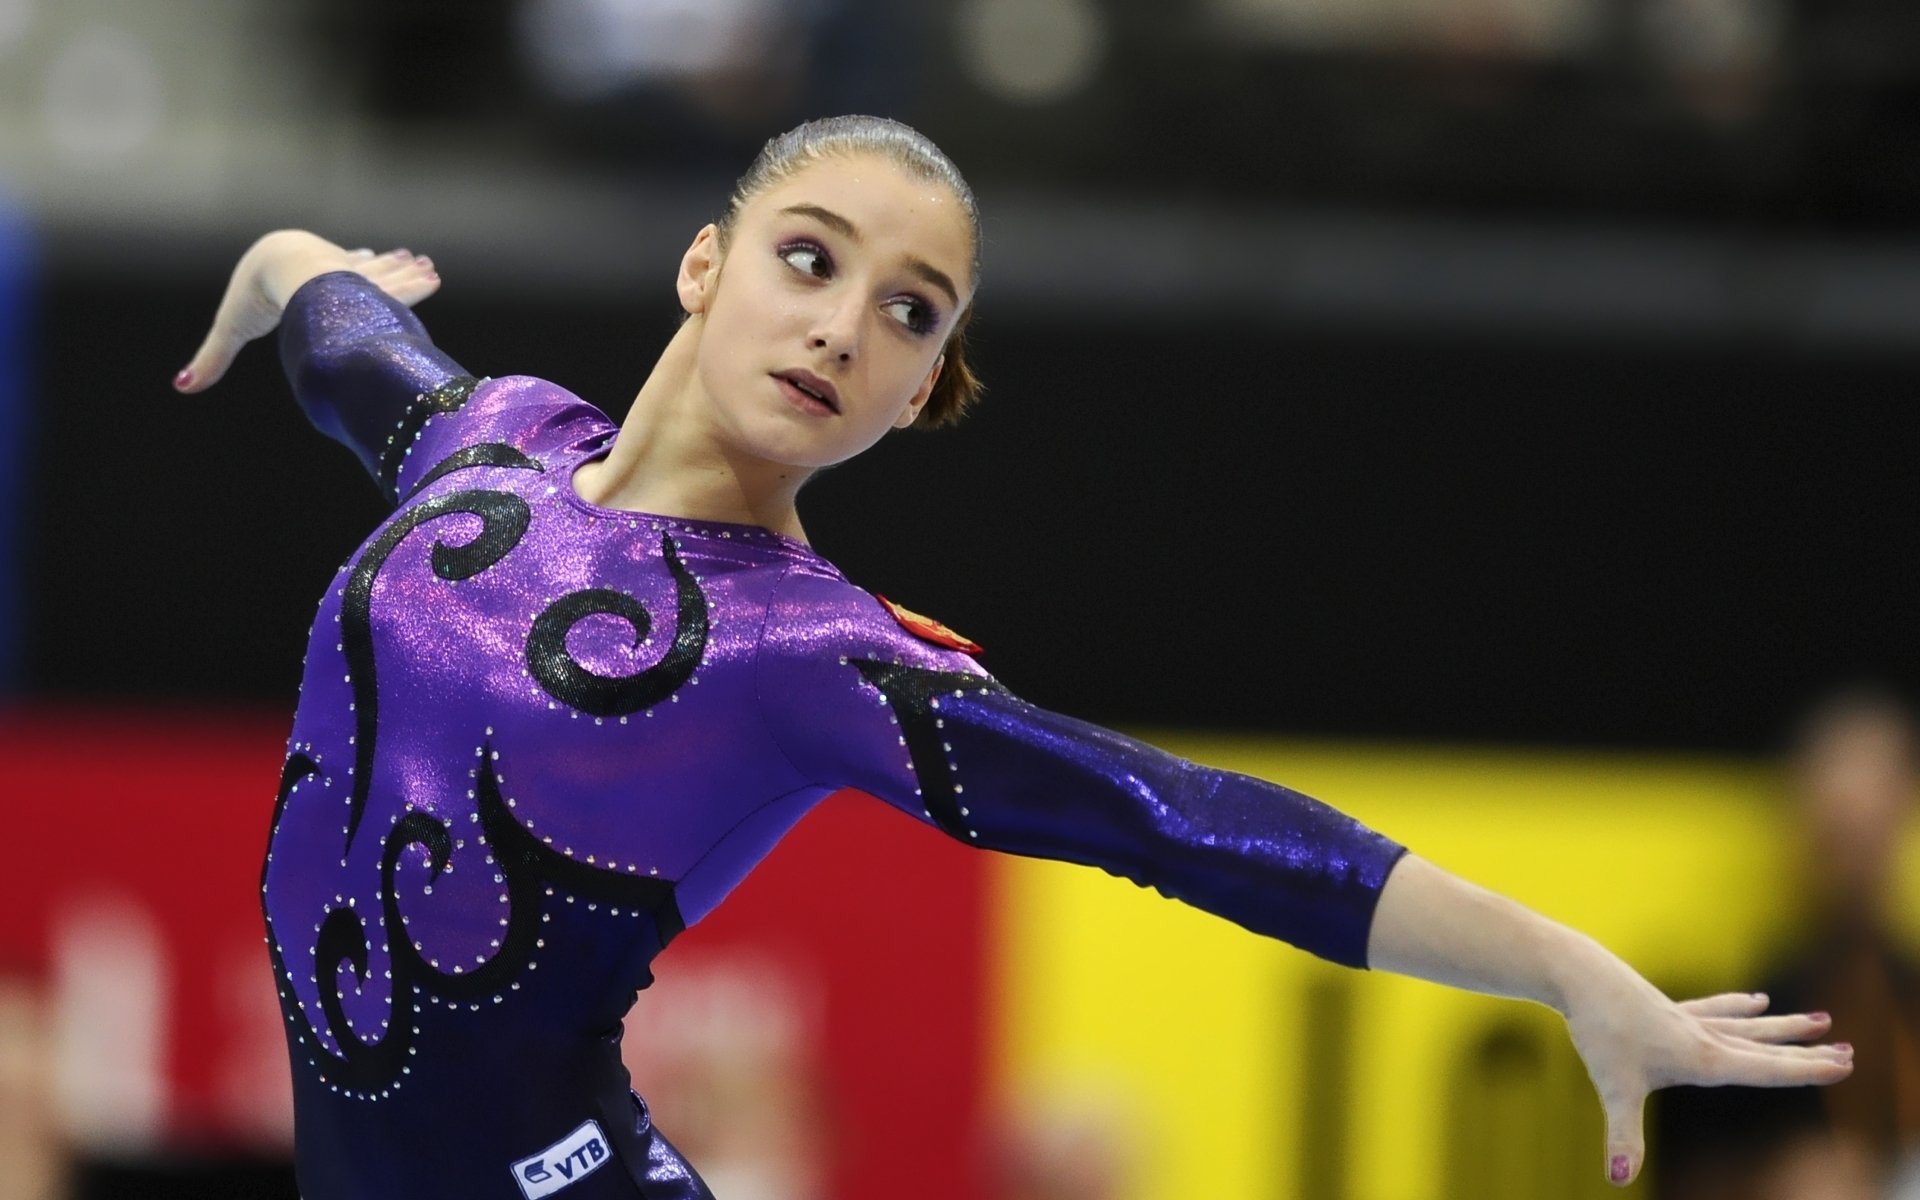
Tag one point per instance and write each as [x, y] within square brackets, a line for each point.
[537, 738]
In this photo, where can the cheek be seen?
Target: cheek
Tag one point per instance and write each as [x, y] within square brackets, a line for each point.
[915, 372]
[735, 338]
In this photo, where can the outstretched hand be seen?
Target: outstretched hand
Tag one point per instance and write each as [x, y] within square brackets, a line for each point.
[271, 270]
[1432, 925]
[1634, 1040]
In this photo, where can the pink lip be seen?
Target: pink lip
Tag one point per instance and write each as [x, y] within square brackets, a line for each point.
[814, 383]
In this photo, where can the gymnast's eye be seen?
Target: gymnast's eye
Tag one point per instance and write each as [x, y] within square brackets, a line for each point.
[914, 313]
[808, 259]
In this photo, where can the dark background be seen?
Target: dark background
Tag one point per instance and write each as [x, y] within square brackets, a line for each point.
[1380, 533]
[1536, 494]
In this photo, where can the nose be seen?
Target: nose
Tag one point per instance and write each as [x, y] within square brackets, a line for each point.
[837, 331]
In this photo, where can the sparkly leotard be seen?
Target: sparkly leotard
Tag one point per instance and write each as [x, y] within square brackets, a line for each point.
[537, 738]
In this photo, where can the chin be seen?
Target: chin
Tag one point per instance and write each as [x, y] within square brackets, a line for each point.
[799, 441]
[787, 446]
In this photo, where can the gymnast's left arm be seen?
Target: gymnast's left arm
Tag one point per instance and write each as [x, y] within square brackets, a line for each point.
[954, 750]
[998, 772]
[1633, 1039]
[854, 704]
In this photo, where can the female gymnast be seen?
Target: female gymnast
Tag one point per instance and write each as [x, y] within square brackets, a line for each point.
[540, 736]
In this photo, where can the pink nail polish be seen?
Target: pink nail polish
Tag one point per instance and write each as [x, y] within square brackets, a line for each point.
[184, 379]
[1618, 1169]
[1844, 1047]
[1820, 1016]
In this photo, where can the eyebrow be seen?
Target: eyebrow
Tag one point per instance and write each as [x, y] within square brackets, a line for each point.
[919, 266]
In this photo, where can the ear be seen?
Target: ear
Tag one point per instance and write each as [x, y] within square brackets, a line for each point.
[699, 269]
[919, 400]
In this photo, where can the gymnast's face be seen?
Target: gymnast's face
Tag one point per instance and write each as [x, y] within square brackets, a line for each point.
[825, 315]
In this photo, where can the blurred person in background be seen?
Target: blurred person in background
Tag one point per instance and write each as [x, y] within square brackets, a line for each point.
[1853, 773]
[825, 307]
[1059, 1151]
[33, 1152]
[1856, 765]
[731, 1048]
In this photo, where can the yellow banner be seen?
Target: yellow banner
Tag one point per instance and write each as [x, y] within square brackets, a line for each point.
[1214, 1063]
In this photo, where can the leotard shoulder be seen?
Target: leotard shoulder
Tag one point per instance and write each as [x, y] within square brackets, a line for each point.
[856, 700]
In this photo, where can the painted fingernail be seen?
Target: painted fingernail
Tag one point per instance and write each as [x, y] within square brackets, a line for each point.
[1618, 1170]
[1844, 1047]
[1820, 1016]
[184, 379]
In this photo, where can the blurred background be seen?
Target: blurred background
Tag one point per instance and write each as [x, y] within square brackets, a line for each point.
[1496, 418]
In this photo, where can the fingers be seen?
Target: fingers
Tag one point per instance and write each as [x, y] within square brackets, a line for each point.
[402, 274]
[1727, 1004]
[1794, 1027]
[1755, 1065]
[1626, 1137]
[208, 364]
[247, 311]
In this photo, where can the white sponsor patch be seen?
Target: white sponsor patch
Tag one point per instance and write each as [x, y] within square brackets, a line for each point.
[567, 1161]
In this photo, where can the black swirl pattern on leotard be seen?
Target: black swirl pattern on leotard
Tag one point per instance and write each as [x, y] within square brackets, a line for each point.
[448, 397]
[911, 692]
[505, 518]
[530, 869]
[298, 766]
[355, 948]
[565, 679]
[481, 454]
[341, 939]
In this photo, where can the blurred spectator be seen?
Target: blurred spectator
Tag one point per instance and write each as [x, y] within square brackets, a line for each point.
[1059, 1151]
[1855, 768]
[723, 56]
[1855, 773]
[33, 1155]
[705, 81]
[1721, 56]
[725, 1051]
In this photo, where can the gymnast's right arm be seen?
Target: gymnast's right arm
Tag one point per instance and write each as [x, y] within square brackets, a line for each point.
[268, 275]
[354, 353]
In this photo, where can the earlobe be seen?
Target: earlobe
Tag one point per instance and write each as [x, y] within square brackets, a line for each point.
[697, 269]
[919, 400]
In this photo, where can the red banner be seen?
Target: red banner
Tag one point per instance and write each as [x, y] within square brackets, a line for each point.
[822, 1033]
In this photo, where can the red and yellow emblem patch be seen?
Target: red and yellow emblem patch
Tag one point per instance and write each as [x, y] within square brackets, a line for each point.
[928, 629]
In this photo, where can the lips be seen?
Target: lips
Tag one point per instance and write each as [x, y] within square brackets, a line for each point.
[812, 386]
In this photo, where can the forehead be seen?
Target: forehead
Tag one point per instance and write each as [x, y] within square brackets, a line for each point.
[894, 212]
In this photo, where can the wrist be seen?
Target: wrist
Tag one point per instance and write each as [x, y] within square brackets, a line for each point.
[1576, 964]
[287, 258]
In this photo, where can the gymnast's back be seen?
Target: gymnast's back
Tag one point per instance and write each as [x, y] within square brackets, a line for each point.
[537, 738]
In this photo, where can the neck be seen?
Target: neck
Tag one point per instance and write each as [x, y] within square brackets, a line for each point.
[669, 459]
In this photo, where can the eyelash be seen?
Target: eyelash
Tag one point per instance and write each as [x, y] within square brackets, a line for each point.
[922, 318]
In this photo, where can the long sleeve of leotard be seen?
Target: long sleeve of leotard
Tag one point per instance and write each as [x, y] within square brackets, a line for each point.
[364, 370]
[854, 701]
